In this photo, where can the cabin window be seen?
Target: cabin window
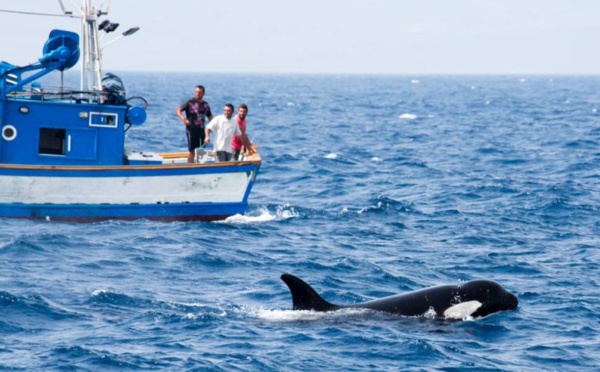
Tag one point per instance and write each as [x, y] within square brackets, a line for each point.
[99, 119]
[52, 141]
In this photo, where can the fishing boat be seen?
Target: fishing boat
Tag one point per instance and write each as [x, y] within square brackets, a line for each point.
[63, 153]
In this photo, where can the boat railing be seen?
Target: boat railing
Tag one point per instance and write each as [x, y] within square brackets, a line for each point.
[57, 93]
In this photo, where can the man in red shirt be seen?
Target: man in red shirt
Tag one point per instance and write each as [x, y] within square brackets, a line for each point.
[236, 142]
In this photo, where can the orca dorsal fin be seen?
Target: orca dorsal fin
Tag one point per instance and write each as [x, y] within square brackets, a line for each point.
[304, 297]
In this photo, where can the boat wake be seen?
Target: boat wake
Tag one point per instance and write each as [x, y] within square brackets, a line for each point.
[278, 315]
[263, 214]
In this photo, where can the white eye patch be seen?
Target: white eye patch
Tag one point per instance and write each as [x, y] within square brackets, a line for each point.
[462, 310]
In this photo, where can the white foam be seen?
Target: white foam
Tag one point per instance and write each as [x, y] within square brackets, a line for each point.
[99, 292]
[366, 209]
[376, 159]
[430, 314]
[408, 116]
[288, 315]
[302, 315]
[331, 156]
[283, 212]
[244, 219]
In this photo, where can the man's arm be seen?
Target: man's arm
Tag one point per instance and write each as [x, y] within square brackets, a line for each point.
[246, 142]
[209, 129]
[207, 135]
[179, 113]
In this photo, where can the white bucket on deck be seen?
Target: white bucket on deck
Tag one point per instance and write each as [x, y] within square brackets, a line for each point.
[204, 156]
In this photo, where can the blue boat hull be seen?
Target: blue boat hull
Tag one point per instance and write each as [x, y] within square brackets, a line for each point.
[92, 213]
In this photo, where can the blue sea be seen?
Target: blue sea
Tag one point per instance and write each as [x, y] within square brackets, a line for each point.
[370, 186]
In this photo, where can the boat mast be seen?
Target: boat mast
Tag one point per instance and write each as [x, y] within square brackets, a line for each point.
[84, 56]
[92, 48]
[91, 64]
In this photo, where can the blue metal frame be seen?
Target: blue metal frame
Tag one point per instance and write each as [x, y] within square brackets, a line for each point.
[61, 53]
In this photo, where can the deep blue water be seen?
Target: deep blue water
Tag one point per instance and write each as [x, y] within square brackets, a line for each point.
[370, 186]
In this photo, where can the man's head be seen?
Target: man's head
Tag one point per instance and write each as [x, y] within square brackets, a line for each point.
[242, 111]
[199, 92]
[228, 110]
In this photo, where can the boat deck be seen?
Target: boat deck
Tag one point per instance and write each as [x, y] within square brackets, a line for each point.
[202, 157]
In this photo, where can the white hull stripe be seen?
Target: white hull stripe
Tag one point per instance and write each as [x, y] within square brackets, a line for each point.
[204, 188]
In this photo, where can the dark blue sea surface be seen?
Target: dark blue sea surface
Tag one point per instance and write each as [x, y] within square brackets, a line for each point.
[370, 186]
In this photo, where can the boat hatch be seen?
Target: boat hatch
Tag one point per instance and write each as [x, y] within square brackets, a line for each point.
[71, 143]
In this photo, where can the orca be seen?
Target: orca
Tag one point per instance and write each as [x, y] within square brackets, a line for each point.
[469, 300]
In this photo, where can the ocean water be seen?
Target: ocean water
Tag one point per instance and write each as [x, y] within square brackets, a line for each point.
[370, 186]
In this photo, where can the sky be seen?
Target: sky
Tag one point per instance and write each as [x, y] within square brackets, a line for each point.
[329, 36]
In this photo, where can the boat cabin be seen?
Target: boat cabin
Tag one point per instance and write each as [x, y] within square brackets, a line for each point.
[47, 132]
[54, 126]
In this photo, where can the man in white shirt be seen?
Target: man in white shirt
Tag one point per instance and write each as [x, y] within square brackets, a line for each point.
[225, 127]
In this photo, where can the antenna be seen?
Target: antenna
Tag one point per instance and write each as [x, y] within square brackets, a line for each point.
[104, 12]
[65, 11]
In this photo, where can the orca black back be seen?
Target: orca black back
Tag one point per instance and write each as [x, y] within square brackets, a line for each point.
[477, 298]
